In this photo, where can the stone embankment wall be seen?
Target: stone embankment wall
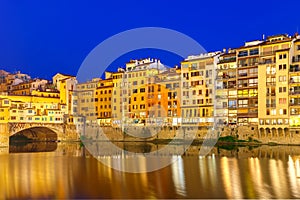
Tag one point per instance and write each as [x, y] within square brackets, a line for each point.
[249, 133]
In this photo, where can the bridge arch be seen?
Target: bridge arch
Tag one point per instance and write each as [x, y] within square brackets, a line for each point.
[35, 134]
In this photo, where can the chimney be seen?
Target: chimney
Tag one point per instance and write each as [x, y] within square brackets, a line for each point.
[224, 50]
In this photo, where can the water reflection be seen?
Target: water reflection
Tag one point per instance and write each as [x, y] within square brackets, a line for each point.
[70, 172]
[19, 147]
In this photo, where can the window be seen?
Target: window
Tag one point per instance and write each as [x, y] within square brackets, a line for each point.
[134, 83]
[298, 47]
[282, 78]
[243, 53]
[243, 103]
[282, 67]
[282, 89]
[282, 111]
[273, 111]
[282, 56]
[282, 100]
[142, 90]
[254, 51]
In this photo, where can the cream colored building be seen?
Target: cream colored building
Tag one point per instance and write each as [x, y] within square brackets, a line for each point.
[198, 89]
[273, 81]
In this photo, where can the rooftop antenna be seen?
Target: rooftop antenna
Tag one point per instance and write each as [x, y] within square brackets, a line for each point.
[263, 36]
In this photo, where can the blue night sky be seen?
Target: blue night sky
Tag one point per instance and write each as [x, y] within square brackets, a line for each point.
[45, 37]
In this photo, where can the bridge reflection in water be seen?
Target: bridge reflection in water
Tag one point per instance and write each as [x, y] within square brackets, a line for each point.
[71, 172]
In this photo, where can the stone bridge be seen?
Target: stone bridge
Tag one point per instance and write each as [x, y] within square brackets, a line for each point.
[37, 132]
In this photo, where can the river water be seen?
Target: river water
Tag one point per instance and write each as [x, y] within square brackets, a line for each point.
[69, 171]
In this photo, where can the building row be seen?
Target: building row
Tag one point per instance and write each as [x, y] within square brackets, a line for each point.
[256, 84]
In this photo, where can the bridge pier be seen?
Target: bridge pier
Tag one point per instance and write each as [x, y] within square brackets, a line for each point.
[4, 135]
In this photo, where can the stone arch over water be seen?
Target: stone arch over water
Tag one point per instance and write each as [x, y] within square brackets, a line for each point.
[44, 134]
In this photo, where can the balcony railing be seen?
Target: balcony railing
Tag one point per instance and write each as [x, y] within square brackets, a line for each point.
[267, 53]
[221, 107]
[271, 83]
[295, 104]
[270, 105]
[296, 59]
[267, 61]
[294, 68]
[294, 92]
[227, 60]
[271, 94]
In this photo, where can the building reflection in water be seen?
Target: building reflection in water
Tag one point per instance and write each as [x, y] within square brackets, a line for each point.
[65, 175]
[178, 175]
[256, 171]
[231, 178]
[294, 175]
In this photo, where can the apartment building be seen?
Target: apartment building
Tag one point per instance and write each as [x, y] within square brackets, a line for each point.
[103, 101]
[135, 89]
[84, 97]
[28, 109]
[117, 97]
[226, 89]
[26, 88]
[273, 81]
[247, 83]
[294, 86]
[198, 75]
[164, 98]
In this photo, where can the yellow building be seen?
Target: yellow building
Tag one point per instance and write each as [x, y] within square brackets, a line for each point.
[197, 93]
[117, 97]
[26, 88]
[56, 79]
[273, 81]
[294, 86]
[67, 86]
[84, 101]
[30, 109]
[134, 89]
[103, 102]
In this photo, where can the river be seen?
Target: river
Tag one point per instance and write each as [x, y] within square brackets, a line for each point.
[69, 171]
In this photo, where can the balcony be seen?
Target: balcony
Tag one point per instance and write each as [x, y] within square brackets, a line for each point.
[267, 61]
[271, 105]
[295, 104]
[227, 60]
[221, 107]
[271, 83]
[250, 115]
[267, 53]
[296, 59]
[294, 68]
[271, 94]
[294, 93]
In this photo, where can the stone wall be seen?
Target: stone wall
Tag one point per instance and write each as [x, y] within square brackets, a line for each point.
[4, 135]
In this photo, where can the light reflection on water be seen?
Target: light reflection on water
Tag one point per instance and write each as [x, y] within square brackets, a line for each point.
[70, 172]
